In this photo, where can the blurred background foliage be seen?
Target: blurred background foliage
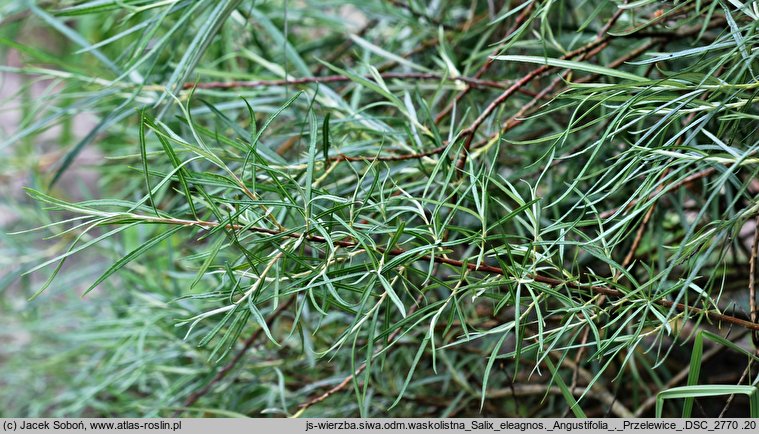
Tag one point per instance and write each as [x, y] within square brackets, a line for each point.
[488, 207]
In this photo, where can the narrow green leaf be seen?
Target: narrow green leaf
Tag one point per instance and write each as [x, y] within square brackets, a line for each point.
[133, 255]
[571, 64]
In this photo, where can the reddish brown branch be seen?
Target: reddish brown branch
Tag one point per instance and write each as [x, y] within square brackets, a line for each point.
[358, 371]
[485, 67]
[590, 49]
[642, 227]
[597, 289]
[685, 182]
[519, 117]
[223, 372]
[660, 38]
[468, 133]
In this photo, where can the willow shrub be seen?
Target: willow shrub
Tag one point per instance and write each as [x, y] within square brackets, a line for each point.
[309, 208]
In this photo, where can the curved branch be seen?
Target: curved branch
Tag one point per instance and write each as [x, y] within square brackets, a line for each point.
[550, 281]
[473, 82]
[223, 372]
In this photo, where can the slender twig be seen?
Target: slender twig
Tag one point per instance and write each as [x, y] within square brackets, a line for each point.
[672, 187]
[752, 282]
[578, 361]
[546, 94]
[597, 390]
[486, 66]
[599, 43]
[468, 133]
[223, 372]
[342, 48]
[401, 5]
[425, 45]
[641, 230]
[520, 390]
[683, 374]
[642, 227]
[474, 82]
[344, 383]
[732, 395]
[550, 281]
[517, 118]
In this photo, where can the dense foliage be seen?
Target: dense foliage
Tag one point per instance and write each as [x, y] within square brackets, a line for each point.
[383, 207]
